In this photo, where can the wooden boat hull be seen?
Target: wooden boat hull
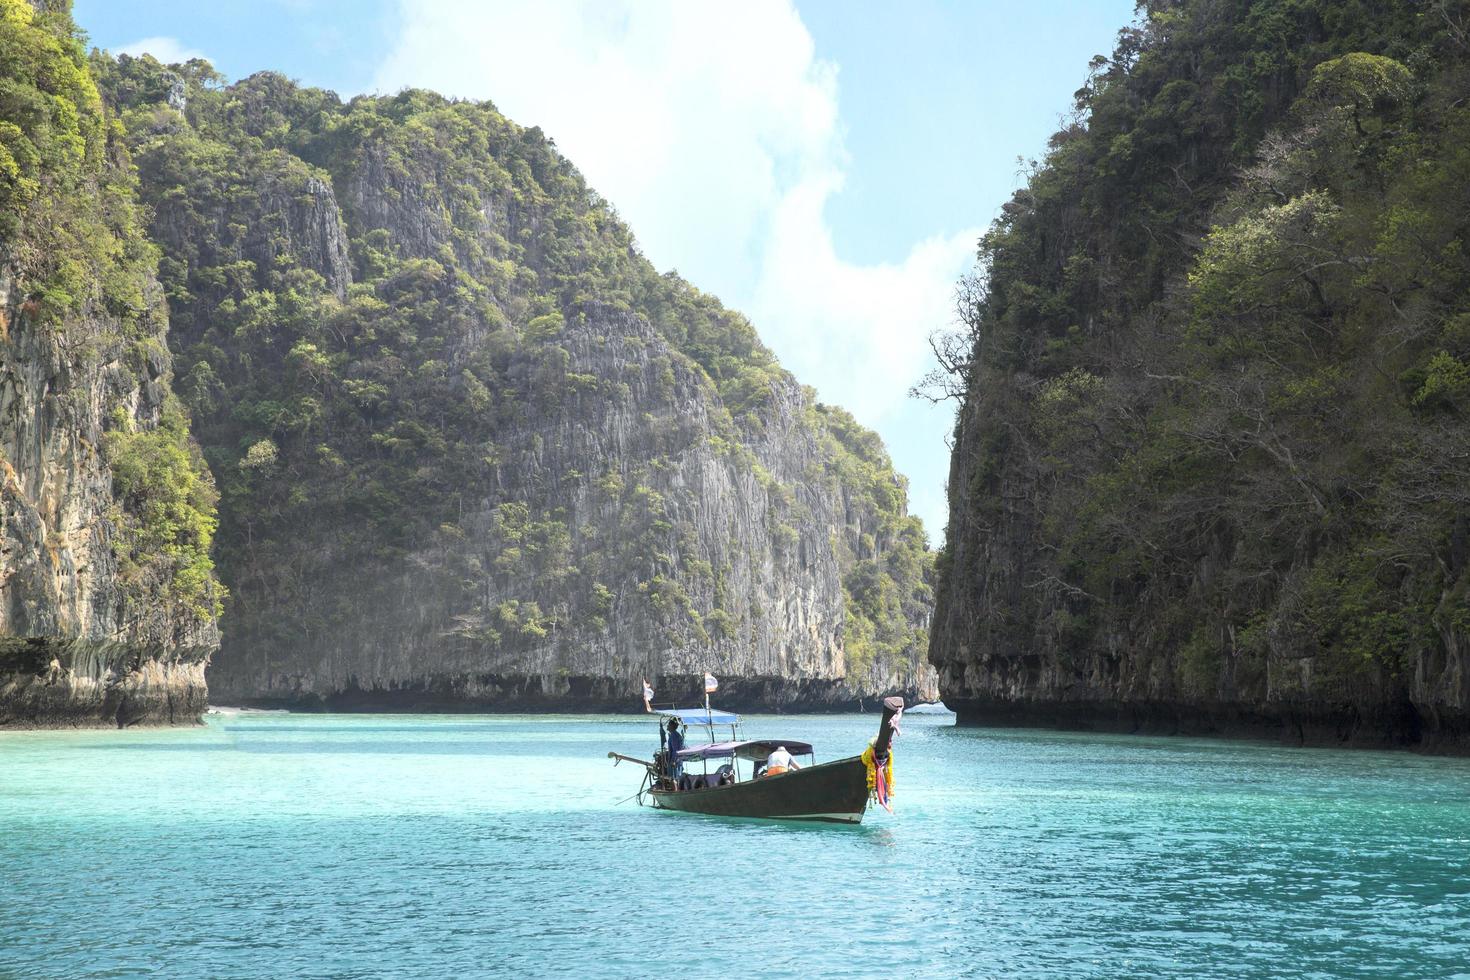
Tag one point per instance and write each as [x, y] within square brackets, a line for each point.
[835, 792]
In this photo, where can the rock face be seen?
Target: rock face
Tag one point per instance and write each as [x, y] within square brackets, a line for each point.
[452, 626]
[473, 450]
[106, 598]
[1210, 467]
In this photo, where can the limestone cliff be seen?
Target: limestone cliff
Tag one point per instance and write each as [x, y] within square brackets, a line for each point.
[1210, 469]
[107, 599]
[473, 450]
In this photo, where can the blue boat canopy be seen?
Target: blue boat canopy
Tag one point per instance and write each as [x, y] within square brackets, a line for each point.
[699, 716]
[758, 750]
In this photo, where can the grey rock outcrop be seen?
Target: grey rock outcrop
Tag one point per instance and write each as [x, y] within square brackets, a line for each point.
[488, 467]
[79, 643]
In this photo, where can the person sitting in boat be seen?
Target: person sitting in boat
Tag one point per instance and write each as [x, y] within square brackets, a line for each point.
[779, 761]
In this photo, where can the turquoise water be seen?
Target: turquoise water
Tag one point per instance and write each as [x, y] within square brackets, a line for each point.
[268, 845]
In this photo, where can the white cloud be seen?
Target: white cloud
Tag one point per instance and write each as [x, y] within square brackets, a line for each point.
[714, 130]
[862, 328]
[169, 50]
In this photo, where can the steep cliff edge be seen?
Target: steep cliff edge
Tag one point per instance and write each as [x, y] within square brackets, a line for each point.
[472, 449]
[1212, 459]
[107, 597]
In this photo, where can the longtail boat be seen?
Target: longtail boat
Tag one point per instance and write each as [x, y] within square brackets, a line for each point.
[739, 786]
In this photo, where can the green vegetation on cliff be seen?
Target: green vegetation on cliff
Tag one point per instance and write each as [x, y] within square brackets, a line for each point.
[1213, 444]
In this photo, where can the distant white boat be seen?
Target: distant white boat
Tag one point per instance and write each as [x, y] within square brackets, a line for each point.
[937, 708]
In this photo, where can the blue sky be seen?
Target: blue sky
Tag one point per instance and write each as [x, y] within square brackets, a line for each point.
[824, 166]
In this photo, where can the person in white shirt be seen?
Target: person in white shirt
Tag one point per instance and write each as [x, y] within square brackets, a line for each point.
[779, 761]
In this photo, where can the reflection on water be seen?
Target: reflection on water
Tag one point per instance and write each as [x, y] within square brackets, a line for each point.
[337, 845]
